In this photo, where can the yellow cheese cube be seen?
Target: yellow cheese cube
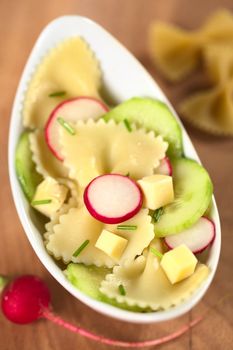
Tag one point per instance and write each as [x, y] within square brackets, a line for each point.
[49, 196]
[178, 263]
[111, 244]
[157, 190]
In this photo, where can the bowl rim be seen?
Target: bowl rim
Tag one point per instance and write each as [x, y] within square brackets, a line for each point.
[22, 205]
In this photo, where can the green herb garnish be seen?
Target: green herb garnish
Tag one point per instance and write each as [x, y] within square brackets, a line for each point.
[80, 249]
[127, 124]
[42, 201]
[57, 94]
[128, 174]
[156, 215]
[156, 253]
[127, 227]
[66, 125]
[121, 289]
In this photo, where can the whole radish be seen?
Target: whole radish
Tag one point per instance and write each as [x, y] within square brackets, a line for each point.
[24, 299]
[27, 298]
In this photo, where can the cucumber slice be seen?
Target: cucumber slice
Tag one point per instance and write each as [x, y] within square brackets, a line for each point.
[88, 279]
[152, 115]
[25, 167]
[193, 191]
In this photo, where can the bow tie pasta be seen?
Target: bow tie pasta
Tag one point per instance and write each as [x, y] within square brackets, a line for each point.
[70, 68]
[99, 147]
[147, 286]
[177, 52]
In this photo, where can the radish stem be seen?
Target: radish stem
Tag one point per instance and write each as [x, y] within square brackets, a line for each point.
[3, 282]
[124, 344]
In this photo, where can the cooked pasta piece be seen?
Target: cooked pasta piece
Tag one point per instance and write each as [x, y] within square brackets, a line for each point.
[146, 284]
[78, 226]
[138, 239]
[73, 229]
[55, 218]
[99, 147]
[68, 70]
[46, 163]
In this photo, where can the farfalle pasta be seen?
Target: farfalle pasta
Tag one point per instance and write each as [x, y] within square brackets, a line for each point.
[55, 218]
[140, 278]
[177, 52]
[212, 109]
[46, 163]
[106, 181]
[63, 240]
[63, 75]
[218, 59]
[99, 148]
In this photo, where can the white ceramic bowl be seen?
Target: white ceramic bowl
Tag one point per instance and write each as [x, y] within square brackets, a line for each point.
[124, 77]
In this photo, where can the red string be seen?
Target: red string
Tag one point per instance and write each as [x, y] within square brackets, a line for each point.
[48, 314]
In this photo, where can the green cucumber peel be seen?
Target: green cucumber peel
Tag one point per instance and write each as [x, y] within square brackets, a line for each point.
[26, 172]
[152, 115]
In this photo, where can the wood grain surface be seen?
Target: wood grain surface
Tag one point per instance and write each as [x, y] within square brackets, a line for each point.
[20, 23]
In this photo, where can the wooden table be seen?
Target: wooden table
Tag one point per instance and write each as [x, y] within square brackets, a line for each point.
[20, 23]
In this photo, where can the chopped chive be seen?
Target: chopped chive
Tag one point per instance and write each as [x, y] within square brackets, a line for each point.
[42, 201]
[121, 289]
[127, 124]
[128, 174]
[156, 215]
[127, 227]
[57, 93]
[66, 125]
[156, 252]
[80, 249]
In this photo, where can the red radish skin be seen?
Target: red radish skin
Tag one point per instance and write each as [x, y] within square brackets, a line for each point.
[24, 299]
[165, 167]
[72, 110]
[195, 238]
[114, 191]
[27, 299]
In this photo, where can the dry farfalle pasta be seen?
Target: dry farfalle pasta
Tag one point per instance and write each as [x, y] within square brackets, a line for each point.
[212, 109]
[218, 59]
[146, 284]
[177, 52]
[174, 51]
[69, 70]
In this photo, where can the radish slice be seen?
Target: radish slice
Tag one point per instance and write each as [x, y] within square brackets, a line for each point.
[72, 110]
[197, 238]
[165, 167]
[113, 198]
